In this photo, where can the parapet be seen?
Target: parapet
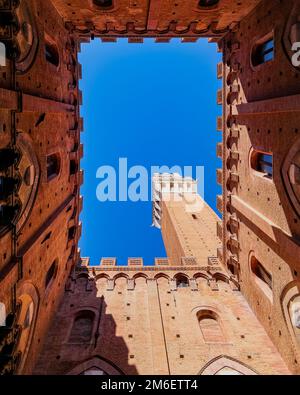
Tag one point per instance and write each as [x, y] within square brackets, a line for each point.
[108, 262]
[138, 262]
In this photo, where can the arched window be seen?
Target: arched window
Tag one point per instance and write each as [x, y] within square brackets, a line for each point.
[262, 277]
[263, 51]
[53, 166]
[291, 309]
[82, 328]
[181, 281]
[207, 3]
[103, 3]
[51, 53]
[29, 175]
[73, 167]
[51, 274]
[210, 326]
[71, 233]
[262, 162]
[294, 312]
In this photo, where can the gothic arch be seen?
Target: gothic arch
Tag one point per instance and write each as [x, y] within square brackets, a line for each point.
[291, 175]
[290, 294]
[180, 274]
[102, 275]
[160, 275]
[28, 190]
[225, 365]
[139, 275]
[121, 275]
[82, 275]
[99, 363]
[202, 275]
[221, 277]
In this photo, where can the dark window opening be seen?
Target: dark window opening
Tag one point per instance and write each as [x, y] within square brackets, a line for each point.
[51, 54]
[53, 166]
[73, 167]
[103, 3]
[51, 274]
[182, 282]
[207, 3]
[263, 52]
[263, 163]
[71, 233]
[231, 268]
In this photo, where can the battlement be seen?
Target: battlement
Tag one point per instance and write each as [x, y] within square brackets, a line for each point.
[138, 262]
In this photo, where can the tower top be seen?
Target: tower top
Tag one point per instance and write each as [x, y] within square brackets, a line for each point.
[169, 186]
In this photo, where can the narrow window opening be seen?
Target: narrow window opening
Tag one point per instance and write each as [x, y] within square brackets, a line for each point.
[51, 53]
[50, 274]
[73, 167]
[263, 163]
[71, 233]
[262, 276]
[53, 166]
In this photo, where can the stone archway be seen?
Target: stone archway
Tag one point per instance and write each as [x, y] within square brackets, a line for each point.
[95, 366]
[224, 365]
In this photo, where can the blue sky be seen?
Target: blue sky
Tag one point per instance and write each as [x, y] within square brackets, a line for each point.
[154, 104]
